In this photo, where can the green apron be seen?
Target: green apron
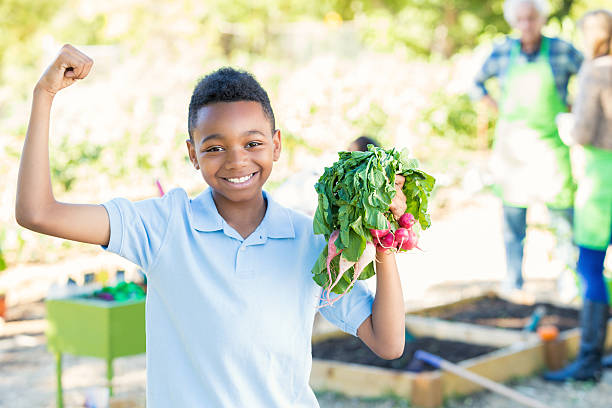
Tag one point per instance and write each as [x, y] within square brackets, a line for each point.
[593, 207]
[529, 162]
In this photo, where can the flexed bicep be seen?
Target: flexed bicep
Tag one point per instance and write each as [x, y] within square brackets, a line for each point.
[35, 207]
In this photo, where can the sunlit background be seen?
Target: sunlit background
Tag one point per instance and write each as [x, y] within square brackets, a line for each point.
[397, 70]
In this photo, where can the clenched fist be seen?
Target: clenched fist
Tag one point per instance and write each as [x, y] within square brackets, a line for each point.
[69, 66]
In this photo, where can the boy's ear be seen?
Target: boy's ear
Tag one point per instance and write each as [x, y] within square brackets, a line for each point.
[276, 140]
[192, 154]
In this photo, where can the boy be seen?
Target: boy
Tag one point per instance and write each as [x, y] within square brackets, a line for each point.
[230, 300]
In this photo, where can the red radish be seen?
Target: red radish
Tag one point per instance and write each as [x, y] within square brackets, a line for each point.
[332, 252]
[345, 265]
[368, 255]
[410, 242]
[387, 241]
[402, 235]
[379, 233]
[407, 220]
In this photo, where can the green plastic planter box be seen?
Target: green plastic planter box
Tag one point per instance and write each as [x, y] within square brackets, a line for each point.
[96, 328]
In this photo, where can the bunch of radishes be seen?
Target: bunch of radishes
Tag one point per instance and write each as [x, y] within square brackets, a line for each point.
[355, 195]
[402, 239]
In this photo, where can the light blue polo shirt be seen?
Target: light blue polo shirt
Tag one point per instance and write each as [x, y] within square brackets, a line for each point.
[229, 320]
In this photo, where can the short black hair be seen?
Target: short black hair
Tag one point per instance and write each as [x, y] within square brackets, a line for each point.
[228, 85]
[362, 142]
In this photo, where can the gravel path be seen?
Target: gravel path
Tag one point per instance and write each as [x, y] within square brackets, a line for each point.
[27, 375]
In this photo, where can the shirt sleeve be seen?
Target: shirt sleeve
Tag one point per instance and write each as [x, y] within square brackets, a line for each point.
[137, 229]
[575, 60]
[351, 310]
[489, 69]
[586, 108]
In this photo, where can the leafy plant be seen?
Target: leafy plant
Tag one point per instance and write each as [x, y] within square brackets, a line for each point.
[65, 161]
[454, 117]
[354, 197]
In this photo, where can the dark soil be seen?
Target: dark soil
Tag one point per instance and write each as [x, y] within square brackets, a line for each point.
[352, 350]
[496, 312]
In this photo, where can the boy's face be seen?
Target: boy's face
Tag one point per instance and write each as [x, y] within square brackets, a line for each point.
[234, 148]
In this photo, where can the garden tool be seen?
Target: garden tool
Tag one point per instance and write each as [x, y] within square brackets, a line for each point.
[535, 318]
[498, 388]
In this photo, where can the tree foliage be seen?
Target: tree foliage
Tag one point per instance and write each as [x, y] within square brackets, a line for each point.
[425, 27]
[20, 20]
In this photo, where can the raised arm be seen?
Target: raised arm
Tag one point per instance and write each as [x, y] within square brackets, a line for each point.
[384, 330]
[36, 207]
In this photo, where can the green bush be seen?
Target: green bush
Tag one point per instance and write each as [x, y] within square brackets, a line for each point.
[67, 158]
[454, 117]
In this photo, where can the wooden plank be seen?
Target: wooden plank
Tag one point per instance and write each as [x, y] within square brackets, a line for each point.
[555, 354]
[427, 390]
[441, 308]
[467, 332]
[324, 330]
[127, 402]
[521, 360]
[572, 340]
[524, 357]
[357, 380]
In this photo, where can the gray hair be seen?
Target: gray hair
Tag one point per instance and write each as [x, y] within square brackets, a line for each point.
[510, 6]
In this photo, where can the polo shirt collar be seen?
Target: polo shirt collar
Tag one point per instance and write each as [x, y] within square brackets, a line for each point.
[276, 223]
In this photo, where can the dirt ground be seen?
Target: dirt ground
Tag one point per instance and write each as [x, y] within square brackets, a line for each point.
[496, 312]
[353, 350]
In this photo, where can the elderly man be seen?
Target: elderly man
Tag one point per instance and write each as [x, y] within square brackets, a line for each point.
[530, 163]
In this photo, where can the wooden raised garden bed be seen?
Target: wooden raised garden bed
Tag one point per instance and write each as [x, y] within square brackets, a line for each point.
[342, 364]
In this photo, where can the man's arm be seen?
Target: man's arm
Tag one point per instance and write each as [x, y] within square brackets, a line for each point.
[489, 69]
[36, 207]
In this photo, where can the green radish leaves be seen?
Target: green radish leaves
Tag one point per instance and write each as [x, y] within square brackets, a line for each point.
[354, 196]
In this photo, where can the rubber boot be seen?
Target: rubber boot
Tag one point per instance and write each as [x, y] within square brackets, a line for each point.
[607, 361]
[588, 365]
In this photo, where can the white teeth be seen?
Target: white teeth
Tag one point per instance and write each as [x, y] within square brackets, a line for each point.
[240, 180]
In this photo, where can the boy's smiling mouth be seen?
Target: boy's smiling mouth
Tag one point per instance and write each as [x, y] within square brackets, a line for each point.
[239, 180]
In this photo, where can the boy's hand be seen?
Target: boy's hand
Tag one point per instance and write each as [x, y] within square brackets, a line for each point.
[398, 204]
[69, 66]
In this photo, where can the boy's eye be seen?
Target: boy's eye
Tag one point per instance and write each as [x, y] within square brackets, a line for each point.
[253, 144]
[213, 149]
